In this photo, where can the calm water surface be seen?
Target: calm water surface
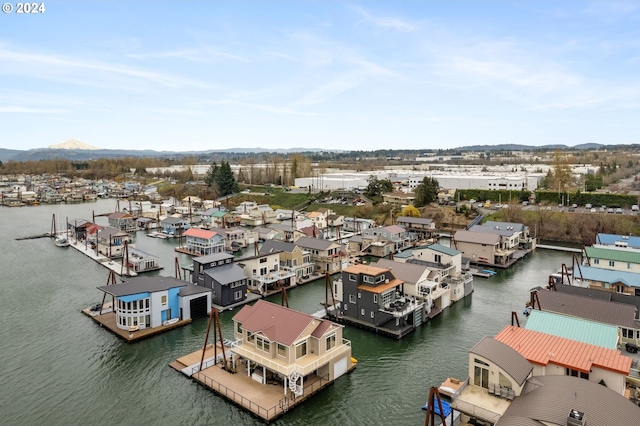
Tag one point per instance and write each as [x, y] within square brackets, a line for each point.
[59, 368]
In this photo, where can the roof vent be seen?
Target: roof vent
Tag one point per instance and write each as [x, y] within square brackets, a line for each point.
[576, 418]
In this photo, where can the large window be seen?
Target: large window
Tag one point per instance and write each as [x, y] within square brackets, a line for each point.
[576, 373]
[263, 344]
[301, 349]
[281, 349]
[237, 295]
[163, 300]
[331, 341]
[387, 297]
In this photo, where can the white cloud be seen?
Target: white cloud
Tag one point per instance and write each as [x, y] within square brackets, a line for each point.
[387, 23]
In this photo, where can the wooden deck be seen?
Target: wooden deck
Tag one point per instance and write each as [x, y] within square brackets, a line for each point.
[266, 401]
[108, 320]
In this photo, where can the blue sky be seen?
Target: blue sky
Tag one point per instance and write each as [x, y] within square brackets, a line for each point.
[196, 75]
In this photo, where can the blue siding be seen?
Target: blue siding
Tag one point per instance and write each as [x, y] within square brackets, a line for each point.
[173, 302]
[132, 297]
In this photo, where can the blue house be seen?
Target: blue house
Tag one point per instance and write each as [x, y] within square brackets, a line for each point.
[174, 225]
[150, 301]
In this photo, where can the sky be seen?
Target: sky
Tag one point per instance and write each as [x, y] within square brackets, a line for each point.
[204, 75]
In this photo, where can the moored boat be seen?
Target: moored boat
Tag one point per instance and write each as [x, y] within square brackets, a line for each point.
[62, 242]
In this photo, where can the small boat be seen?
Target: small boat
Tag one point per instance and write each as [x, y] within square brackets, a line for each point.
[62, 242]
[170, 321]
[489, 271]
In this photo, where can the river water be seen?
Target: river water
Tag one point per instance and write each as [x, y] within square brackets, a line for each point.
[58, 367]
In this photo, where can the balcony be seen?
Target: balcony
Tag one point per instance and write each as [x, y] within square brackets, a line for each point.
[274, 276]
[460, 279]
[401, 307]
[304, 366]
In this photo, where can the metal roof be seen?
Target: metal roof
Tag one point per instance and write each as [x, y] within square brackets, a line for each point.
[509, 360]
[628, 299]
[609, 276]
[199, 233]
[215, 257]
[444, 249]
[594, 333]
[143, 284]
[407, 272]
[314, 243]
[497, 230]
[550, 399]
[612, 239]
[414, 220]
[394, 229]
[543, 349]
[476, 237]
[271, 246]
[619, 314]
[613, 254]
[227, 273]
[278, 323]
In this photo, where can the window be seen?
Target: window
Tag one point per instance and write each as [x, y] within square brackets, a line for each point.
[375, 298]
[359, 295]
[619, 288]
[239, 327]
[163, 300]
[263, 260]
[352, 277]
[263, 344]
[576, 373]
[301, 349]
[372, 314]
[612, 263]
[362, 311]
[250, 336]
[596, 261]
[628, 265]
[281, 349]
[387, 298]
[437, 258]
[331, 341]
[237, 295]
[352, 298]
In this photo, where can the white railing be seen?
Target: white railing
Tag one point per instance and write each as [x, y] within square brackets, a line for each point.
[304, 369]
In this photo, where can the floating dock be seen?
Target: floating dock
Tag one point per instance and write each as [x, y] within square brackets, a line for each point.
[108, 320]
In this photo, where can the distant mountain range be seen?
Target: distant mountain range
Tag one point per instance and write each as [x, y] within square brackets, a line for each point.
[79, 151]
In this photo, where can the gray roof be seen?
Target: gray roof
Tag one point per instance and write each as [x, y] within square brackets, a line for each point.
[215, 257]
[619, 314]
[629, 299]
[416, 220]
[314, 243]
[172, 219]
[504, 225]
[271, 246]
[191, 289]
[550, 399]
[505, 232]
[407, 272]
[225, 274]
[476, 237]
[144, 284]
[505, 357]
[110, 232]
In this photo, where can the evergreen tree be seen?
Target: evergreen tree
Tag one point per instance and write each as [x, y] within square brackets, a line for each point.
[426, 192]
[225, 179]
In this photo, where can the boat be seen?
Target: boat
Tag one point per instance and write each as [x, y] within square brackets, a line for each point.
[62, 242]
[170, 321]
[489, 271]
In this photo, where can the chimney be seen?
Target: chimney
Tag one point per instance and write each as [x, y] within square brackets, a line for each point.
[576, 418]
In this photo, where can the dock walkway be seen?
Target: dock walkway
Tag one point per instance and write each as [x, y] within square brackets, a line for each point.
[559, 248]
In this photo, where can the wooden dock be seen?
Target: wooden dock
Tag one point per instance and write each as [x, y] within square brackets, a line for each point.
[266, 401]
[559, 248]
[108, 320]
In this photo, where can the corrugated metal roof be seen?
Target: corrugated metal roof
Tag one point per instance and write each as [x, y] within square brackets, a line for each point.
[543, 349]
[394, 229]
[619, 314]
[550, 399]
[314, 243]
[407, 272]
[365, 269]
[277, 323]
[607, 275]
[613, 254]
[512, 362]
[594, 333]
[612, 239]
[476, 237]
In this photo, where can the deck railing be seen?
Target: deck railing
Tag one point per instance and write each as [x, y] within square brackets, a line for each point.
[265, 413]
